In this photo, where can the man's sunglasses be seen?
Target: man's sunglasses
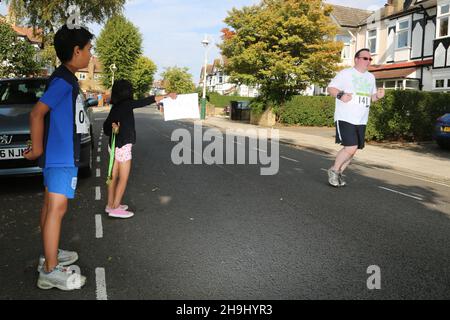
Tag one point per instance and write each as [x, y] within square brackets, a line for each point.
[366, 59]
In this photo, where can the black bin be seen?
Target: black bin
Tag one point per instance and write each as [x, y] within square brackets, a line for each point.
[240, 111]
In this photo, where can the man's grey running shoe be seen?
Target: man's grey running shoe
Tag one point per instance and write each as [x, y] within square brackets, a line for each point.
[342, 182]
[65, 258]
[62, 278]
[333, 178]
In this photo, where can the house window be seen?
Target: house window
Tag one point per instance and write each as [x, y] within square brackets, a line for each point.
[440, 83]
[412, 84]
[372, 40]
[443, 20]
[389, 84]
[346, 40]
[403, 34]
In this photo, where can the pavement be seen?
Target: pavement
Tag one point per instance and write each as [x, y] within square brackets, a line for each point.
[426, 160]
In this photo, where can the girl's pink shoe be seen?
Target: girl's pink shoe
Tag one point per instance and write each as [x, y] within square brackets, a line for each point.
[122, 206]
[120, 213]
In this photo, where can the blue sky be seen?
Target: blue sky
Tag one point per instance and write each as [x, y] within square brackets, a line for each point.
[173, 29]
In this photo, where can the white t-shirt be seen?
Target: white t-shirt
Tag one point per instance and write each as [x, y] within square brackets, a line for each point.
[362, 86]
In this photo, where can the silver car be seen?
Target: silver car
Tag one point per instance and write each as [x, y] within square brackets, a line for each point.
[17, 98]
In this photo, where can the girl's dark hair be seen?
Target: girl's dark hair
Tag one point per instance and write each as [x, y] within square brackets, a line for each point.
[122, 90]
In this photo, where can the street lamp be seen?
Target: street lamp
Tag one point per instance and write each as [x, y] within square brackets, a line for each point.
[205, 44]
[113, 69]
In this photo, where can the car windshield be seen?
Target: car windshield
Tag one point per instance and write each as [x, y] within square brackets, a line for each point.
[27, 91]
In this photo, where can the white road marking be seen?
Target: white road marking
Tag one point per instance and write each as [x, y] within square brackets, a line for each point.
[98, 159]
[98, 194]
[99, 150]
[401, 193]
[98, 173]
[100, 279]
[99, 143]
[413, 177]
[260, 150]
[289, 159]
[98, 226]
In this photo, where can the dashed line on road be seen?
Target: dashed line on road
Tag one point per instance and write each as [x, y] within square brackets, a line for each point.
[98, 159]
[98, 194]
[100, 279]
[401, 193]
[99, 150]
[97, 173]
[98, 226]
[293, 160]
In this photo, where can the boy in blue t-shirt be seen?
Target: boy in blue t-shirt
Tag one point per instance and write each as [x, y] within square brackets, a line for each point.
[56, 123]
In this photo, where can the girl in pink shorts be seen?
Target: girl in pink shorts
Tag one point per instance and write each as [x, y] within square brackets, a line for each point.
[121, 120]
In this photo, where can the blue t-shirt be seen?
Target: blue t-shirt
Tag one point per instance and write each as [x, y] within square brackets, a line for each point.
[65, 122]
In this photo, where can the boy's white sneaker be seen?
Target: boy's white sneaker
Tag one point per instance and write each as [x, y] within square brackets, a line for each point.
[63, 278]
[65, 258]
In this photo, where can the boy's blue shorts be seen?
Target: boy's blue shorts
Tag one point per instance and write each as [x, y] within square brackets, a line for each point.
[61, 181]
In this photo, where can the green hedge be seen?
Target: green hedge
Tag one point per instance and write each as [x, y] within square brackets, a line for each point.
[315, 111]
[406, 115]
[402, 115]
[222, 101]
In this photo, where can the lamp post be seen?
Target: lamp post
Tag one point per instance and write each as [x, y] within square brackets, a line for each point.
[205, 44]
[113, 69]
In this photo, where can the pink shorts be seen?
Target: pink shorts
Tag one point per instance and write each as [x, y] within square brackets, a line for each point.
[123, 154]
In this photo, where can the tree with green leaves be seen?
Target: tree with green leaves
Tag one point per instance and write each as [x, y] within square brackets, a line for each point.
[281, 45]
[143, 75]
[17, 57]
[50, 15]
[119, 43]
[178, 80]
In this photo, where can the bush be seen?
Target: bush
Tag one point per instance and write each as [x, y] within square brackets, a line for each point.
[406, 115]
[308, 111]
[402, 115]
[222, 101]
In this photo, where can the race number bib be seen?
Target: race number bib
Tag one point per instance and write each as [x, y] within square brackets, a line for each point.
[363, 99]
[81, 118]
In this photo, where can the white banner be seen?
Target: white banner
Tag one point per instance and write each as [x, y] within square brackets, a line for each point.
[185, 106]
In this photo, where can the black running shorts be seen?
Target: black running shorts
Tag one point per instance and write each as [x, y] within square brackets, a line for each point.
[350, 135]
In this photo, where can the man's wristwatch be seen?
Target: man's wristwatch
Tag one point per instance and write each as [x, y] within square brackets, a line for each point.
[340, 94]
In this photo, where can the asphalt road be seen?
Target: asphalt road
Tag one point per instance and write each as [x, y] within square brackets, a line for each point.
[226, 232]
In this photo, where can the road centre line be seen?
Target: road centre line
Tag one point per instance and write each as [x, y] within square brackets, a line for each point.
[100, 280]
[401, 193]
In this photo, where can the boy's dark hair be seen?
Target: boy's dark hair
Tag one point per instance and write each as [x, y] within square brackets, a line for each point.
[67, 39]
[361, 50]
[122, 90]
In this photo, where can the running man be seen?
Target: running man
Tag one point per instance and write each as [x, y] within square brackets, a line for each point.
[354, 89]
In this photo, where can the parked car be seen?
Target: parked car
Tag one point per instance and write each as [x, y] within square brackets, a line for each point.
[17, 98]
[442, 131]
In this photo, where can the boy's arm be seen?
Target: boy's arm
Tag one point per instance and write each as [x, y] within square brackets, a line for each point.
[37, 116]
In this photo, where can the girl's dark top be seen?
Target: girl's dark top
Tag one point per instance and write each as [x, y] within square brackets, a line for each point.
[123, 113]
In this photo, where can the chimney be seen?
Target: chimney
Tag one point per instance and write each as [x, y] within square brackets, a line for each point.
[388, 9]
[398, 5]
